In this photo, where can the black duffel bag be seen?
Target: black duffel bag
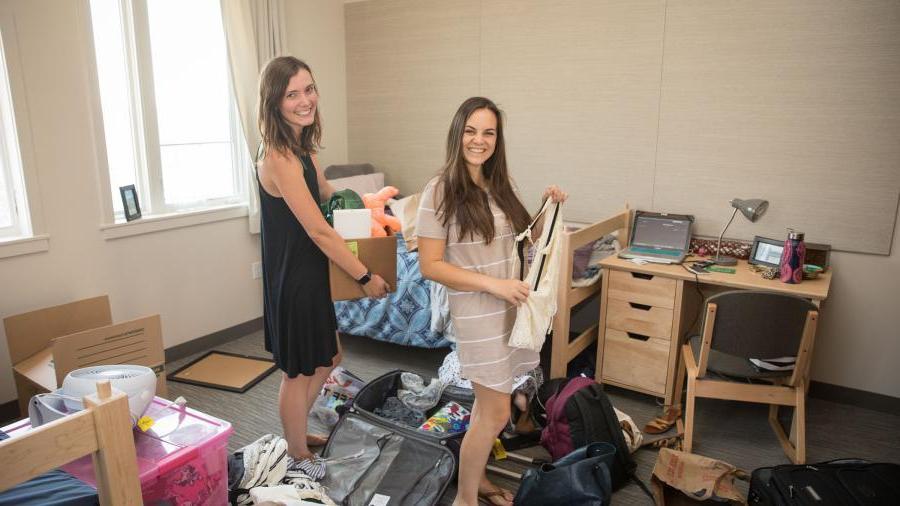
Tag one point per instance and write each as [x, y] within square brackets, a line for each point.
[838, 482]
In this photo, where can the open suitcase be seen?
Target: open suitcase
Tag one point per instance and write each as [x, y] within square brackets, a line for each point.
[373, 460]
[839, 482]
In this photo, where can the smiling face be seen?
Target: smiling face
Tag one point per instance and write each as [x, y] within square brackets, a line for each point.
[298, 106]
[479, 138]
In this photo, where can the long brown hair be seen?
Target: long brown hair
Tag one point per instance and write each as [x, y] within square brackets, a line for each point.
[465, 200]
[275, 130]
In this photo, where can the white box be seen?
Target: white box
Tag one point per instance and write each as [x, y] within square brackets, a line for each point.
[353, 223]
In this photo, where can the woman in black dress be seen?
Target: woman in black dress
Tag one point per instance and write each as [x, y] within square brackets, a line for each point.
[297, 242]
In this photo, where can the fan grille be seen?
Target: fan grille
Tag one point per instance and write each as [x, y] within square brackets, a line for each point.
[105, 374]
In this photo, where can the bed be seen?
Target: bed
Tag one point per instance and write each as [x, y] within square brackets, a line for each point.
[103, 429]
[406, 316]
[563, 346]
[403, 317]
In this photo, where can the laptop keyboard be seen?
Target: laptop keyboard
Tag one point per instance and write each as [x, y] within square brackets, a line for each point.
[653, 251]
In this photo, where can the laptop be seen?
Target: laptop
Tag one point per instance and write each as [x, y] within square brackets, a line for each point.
[659, 237]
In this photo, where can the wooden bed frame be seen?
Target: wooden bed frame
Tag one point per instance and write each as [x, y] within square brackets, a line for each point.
[102, 429]
[563, 350]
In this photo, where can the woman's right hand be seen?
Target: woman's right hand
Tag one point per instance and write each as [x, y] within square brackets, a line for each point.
[377, 287]
[511, 290]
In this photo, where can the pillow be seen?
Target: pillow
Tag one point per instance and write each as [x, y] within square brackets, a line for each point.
[368, 183]
[405, 210]
[359, 169]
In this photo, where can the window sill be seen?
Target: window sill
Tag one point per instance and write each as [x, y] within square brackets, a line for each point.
[24, 246]
[150, 224]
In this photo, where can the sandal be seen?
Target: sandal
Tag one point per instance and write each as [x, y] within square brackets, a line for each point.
[505, 496]
[674, 443]
[663, 423]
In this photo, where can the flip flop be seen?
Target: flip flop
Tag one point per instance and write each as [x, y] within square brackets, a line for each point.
[505, 496]
[664, 422]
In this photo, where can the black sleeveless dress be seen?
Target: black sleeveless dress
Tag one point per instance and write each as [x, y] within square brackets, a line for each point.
[298, 312]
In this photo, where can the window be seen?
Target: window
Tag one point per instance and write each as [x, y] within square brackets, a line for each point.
[14, 217]
[170, 120]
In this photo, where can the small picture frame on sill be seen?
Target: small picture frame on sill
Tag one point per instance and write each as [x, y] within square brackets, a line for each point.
[130, 202]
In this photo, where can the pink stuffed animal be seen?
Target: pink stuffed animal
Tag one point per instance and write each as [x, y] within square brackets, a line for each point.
[380, 221]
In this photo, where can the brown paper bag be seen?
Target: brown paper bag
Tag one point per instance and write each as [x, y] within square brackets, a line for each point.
[681, 478]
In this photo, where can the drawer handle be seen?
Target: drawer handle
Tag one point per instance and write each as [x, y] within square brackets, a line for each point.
[639, 337]
[641, 275]
[642, 307]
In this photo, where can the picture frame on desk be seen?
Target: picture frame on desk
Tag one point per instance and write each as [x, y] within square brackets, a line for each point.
[766, 251]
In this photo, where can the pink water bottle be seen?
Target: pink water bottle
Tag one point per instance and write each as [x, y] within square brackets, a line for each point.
[792, 258]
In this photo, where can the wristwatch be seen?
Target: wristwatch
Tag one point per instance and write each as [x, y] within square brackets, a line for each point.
[365, 278]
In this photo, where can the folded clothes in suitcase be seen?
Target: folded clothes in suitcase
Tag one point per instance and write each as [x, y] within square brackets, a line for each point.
[373, 460]
[837, 482]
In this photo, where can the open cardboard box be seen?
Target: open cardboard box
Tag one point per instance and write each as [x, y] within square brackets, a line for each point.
[46, 344]
[379, 254]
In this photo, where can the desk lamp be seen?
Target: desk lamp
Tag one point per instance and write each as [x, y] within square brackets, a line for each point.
[752, 209]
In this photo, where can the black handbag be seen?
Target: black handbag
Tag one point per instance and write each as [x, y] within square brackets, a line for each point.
[580, 478]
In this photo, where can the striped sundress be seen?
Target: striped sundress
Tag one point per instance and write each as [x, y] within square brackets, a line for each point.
[482, 323]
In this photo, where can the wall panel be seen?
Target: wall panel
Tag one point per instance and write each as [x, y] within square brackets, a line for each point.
[409, 65]
[675, 105]
[796, 102]
[579, 82]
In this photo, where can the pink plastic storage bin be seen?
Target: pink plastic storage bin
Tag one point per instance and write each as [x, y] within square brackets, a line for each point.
[182, 458]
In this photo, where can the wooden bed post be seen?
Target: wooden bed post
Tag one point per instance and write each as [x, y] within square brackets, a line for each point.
[115, 462]
[103, 429]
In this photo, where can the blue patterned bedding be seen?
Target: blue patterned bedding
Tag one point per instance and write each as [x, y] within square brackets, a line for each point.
[404, 317]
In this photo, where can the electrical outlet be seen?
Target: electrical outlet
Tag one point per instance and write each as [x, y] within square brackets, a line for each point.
[256, 270]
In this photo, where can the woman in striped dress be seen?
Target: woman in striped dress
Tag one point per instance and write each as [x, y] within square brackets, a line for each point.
[468, 219]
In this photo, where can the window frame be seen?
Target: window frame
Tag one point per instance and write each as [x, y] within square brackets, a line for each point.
[149, 180]
[25, 235]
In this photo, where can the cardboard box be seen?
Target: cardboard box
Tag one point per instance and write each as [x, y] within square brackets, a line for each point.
[379, 254]
[46, 344]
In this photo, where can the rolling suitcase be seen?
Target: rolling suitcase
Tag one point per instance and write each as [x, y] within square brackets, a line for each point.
[848, 482]
[374, 460]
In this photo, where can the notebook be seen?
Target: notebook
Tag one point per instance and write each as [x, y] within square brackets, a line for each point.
[659, 237]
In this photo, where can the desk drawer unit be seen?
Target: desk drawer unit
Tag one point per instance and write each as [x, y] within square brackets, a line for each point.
[636, 361]
[639, 318]
[638, 331]
[641, 288]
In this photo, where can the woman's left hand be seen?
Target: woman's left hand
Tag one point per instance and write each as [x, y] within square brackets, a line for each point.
[555, 194]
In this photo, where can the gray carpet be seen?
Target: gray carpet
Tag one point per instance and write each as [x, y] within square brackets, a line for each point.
[738, 433]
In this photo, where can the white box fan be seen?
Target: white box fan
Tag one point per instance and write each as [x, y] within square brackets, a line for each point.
[135, 381]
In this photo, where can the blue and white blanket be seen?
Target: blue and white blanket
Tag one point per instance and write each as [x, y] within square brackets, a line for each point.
[403, 317]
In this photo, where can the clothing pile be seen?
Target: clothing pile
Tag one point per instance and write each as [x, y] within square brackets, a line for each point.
[414, 399]
[262, 472]
[450, 373]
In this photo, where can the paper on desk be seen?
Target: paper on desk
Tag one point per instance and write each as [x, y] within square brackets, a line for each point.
[774, 364]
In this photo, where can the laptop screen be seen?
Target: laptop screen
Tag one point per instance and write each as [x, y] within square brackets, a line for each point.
[661, 232]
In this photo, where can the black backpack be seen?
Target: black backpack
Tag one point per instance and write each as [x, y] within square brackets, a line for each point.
[586, 417]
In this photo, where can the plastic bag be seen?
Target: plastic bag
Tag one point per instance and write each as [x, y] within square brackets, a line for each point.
[340, 386]
[341, 199]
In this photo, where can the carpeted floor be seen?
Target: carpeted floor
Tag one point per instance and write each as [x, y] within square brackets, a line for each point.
[734, 432]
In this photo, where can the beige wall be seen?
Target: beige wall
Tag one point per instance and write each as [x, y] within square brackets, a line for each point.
[316, 35]
[678, 105]
[197, 278]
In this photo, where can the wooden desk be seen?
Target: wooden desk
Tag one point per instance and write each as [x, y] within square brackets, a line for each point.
[647, 310]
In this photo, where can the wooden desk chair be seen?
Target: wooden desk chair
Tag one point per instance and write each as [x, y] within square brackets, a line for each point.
[740, 325]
